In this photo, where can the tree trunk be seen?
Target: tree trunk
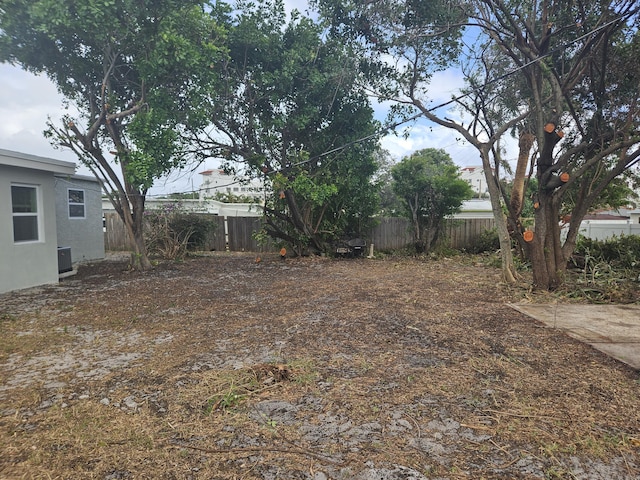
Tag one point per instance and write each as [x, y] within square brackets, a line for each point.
[547, 260]
[418, 234]
[139, 258]
[133, 220]
[509, 274]
[300, 223]
[517, 193]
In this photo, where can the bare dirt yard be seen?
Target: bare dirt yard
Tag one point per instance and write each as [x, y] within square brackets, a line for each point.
[221, 367]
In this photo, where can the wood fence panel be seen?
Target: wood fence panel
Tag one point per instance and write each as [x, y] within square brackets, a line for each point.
[241, 231]
[116, 237]
[392, 233]
[395, 233]
[216, 240]
[462, 233]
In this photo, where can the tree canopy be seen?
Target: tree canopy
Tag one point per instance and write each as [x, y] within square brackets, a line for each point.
[580, 115]
[429, 184]
[548, 72]
[136, 71]
[292, 111]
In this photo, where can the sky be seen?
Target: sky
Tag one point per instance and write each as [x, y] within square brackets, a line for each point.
[27, 101]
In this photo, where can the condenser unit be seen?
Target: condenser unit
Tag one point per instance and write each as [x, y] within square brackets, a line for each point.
[64, 260]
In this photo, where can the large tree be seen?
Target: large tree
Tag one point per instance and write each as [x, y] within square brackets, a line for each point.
[292, 112]
[582, 129]
[402, 44]
[429, 184]
[135, 70]
[548, 71]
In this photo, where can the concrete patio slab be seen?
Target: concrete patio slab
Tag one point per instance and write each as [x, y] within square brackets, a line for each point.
[612, 329]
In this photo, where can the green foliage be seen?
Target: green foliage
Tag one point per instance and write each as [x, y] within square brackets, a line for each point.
[423, 36]
[487, 241]
[230, 197]
[580, 94]
[586, 90]
[226, 401]
[198, 225]
[138, 72]
[389, 203]
[429, 185]
[183, 196]
[292, 101]
[310, 191]
[621, 253]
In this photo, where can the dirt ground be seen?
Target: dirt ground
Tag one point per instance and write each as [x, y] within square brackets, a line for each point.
[222, 367]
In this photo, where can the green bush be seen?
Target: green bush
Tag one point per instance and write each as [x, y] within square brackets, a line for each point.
[487, 241]
[621, 253]
[199, 226]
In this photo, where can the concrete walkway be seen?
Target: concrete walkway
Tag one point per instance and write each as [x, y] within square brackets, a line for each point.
[612, 329]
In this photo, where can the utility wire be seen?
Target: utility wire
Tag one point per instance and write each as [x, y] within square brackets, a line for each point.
[392, 126]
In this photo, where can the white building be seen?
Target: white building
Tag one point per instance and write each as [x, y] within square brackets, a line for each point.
[218, 182]
[474, 176]
[49, 219]
[198, 206]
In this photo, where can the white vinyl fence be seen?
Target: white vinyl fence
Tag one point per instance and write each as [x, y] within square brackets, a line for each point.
[605, 229]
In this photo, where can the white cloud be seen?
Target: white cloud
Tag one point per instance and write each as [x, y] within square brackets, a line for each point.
[423, 135]
[26, 101]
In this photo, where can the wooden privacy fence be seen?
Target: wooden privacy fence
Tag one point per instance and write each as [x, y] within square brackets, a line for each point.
[395, 233]
[462, 233]
[236, 233]
[116, 237]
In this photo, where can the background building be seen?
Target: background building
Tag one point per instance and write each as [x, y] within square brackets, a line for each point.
[474, 176]
[218, 184]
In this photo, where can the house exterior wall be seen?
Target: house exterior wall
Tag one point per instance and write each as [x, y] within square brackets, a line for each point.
[83, 234]
[24, 265]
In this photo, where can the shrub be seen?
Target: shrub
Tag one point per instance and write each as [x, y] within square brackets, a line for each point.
[170, 232]
[199, 226]
[609, 270]
[621, 253]
[487, 241]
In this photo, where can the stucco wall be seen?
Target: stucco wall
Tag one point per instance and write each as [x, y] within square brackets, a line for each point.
[24, 265]
[83, 235]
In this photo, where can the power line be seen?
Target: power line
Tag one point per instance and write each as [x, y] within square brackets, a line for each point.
[393, 126]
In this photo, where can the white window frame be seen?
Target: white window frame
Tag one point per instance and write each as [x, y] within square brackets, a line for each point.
[70, 204]
[37, 214]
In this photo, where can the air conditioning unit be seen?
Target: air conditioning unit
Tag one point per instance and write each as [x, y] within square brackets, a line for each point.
[64, 260]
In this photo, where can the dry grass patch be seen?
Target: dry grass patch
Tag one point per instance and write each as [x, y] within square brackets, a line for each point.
[219, 368]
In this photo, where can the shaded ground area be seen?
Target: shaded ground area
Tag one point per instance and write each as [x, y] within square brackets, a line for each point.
[223, 368]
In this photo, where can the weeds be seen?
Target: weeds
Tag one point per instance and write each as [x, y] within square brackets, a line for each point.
[236, 387]
[227, 401]
[170, 231]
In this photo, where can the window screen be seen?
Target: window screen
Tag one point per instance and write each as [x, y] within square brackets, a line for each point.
[76, 203]
[24, 204]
